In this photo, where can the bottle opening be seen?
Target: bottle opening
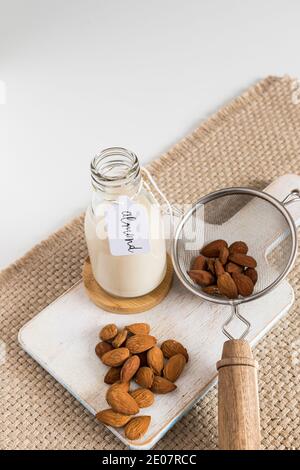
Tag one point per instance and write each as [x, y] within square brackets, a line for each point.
[114, 166]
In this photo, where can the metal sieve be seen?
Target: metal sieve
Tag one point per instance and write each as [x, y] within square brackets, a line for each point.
[267, 227]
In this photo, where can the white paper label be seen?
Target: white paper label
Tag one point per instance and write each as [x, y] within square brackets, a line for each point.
[127, 227]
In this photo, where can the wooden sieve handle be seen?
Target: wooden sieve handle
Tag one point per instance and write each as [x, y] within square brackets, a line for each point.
[238, 403]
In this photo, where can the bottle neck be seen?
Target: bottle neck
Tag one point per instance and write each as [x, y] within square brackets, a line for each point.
[114, 172]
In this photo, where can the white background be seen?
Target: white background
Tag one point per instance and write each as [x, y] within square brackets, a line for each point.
[86, 74]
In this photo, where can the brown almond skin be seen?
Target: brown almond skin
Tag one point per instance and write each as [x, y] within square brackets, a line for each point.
[252, 273]
[162, 385]
[122, 402]
[108, 332]
[112, 375]
[129, 368]
[227, 286]
[140, 343]
[122, 386]
[102, 348]
[203, 278]
[170, 347]
[212, 250]
[199, 263]
[243, 260]
[143, 396]
[116, 357]
[211, 265]
[243, 283]
[211, 290]
[112, 418]
[120, 339]
[138, 328]
[155, 360]
[238, 247]
[144, 377]
[223, 255]
[174, 367]
[233, 268]
[137, 427]
[219, 269]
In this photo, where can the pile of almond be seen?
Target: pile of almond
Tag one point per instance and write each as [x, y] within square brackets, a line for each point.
[225, 270]
[132, 353]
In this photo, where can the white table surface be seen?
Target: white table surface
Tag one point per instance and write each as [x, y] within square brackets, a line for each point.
[81, 75]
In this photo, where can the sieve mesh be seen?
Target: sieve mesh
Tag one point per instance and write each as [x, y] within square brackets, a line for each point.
[238, 214]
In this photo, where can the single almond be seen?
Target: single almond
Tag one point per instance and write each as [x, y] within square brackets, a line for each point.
[116, 357]
[227, 286]
[120, 338]
[155, 360]
[144, 377]
[108, 332]
[112, 375]
[139, 343]
[203, 278]
[112, 418]
[199, 263]
[212, 250]
[174, 367]
[211, 290]
[102, 348]
[243, 283]
[243, 260]
[121, 386]
[219, 269]
[238, 247]
[143, 396]
[162, 385]
[252, 273]
[138, 328]
[223, 255]
[129, 368]
[122, 402]
[170, 347]
[137, 427]
[233, 268]
[211, 265]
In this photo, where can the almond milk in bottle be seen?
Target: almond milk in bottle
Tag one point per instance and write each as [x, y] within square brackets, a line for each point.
[123, 227]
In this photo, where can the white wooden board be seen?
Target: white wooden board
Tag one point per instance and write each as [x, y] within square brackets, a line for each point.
[63, 336]
[62, 339]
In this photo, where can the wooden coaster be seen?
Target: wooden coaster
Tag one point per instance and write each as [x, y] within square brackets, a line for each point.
[129, 305]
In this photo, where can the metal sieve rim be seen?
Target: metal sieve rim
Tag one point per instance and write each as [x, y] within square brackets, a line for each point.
[226, 192]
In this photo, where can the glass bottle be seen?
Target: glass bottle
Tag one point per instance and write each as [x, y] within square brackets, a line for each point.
[123, 227]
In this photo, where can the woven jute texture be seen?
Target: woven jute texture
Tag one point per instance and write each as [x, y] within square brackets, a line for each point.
[250, 142]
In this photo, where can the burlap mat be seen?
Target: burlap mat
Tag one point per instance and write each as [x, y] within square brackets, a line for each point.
[249, 142]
